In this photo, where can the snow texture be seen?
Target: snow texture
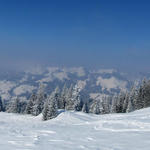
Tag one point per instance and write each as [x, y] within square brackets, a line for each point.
[76, 131]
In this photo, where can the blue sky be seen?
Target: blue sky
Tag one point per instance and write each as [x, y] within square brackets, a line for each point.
[89, 33]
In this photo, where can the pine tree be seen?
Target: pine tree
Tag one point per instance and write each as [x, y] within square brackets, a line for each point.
[69, 105]
[1, 105]
[96, 108]
[120, 101]
[130, 107]
[50, 108]
[59, 99]
[62, 101]
[105, 108]
[146, 94]
[45, 111]
[14, 106]
[126, 101]
[139, 102]
[132, 99]
[30, 104]
[39, 102]
[114, 104]
[78, 104]
[85, 108]
[76, 98]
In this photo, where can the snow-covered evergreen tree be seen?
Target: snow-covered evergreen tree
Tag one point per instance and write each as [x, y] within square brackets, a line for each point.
[97, 107]
[78, 104]
[1, 105]
[45, 110]
[114, 104]
[146, 94]
[60, 104]
[132, 99]
[40, 99]
[76, 98]
[14, 106]
[120, 101]
[62, 100]
[85, 108]
[130, 107]
[30, 104]
[106, 100]
[126, 101]
[69, 104]
[50, 108]
[140, 100]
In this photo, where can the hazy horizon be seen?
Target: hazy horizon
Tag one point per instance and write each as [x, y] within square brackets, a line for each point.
[91, 34]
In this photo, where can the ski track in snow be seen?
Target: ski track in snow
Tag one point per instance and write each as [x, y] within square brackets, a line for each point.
[76, 131]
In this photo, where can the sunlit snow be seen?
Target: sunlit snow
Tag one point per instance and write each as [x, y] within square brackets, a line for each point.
[76, 131]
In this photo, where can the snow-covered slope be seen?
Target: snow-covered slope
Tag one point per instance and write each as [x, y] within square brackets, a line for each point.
[76, 131]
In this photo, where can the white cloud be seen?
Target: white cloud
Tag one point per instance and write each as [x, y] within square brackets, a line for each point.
[78, 70]
[109, 71]
[22, 89]
[5, 87]
[25, 78]
[61, 75]
[46, 79]
[52, 70]
[111, 83]
[35, 71]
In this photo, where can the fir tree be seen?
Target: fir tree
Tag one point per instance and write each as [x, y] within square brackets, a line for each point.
[130, 107]
[1, 105]
[38, 104]
[85, 108]
[50, 108]
[78, 104]
[14, 106]
[58, 98]
[125, 103]
[69, 105]
[30, 104]
[62, 101]
[120, 101]
[114, 104]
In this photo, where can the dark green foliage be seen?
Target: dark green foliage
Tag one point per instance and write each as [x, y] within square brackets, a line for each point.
[1, 105]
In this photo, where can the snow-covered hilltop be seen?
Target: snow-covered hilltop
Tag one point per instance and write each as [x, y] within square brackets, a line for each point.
[76, 131]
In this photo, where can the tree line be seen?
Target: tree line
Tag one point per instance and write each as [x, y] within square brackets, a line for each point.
[71, 98]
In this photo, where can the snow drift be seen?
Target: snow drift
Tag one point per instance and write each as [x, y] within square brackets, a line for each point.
[76, 131]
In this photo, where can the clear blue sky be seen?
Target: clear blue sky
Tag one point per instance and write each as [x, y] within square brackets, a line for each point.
[89, 33]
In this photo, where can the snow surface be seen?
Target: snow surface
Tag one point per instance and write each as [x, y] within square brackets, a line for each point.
[76, 131]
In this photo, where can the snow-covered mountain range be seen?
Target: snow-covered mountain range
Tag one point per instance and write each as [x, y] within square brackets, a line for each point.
[93, 82]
